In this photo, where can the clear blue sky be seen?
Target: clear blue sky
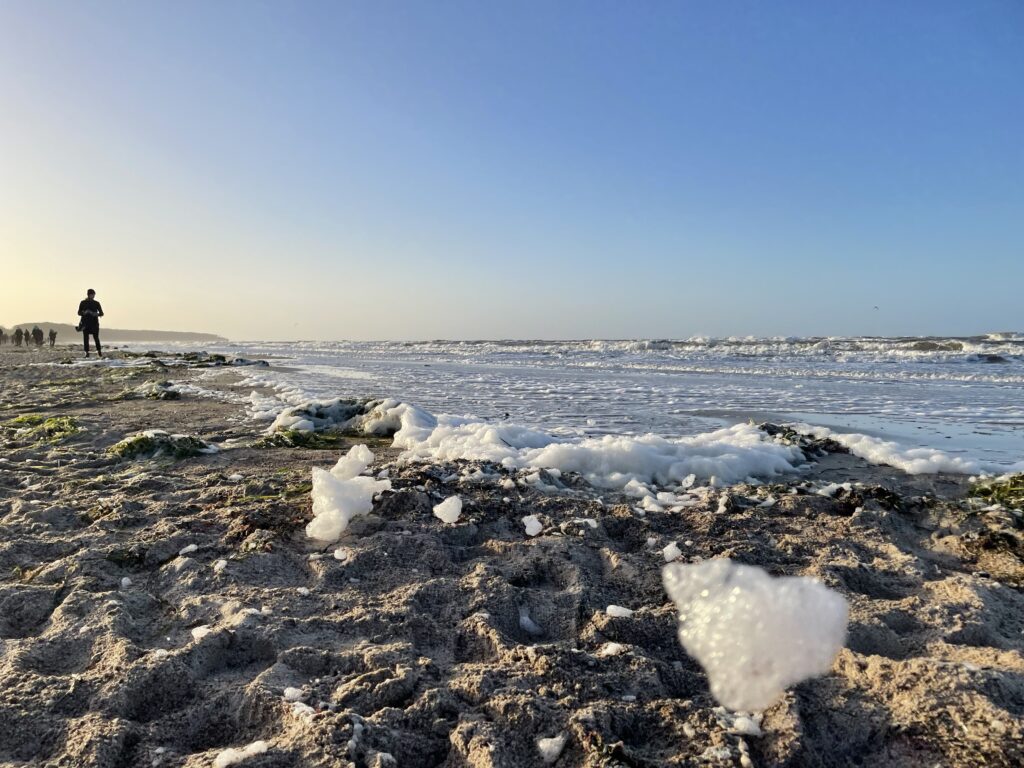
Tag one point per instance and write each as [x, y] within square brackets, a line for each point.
[521, 169]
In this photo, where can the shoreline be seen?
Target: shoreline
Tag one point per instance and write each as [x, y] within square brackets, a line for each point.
[583, 391]
[410, 650]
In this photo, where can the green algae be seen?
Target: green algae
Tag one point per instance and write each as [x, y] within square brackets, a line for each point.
[154, 444]
[296, 438]
[59, 383]
[288, 493]
[1007, 490]
[27, 420]
[34, 426]
[150, 391]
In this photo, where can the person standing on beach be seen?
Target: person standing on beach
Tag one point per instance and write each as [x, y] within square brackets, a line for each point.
[17, 337]
[53, 337]
[3, 337]
[90, 311]
[37, 336]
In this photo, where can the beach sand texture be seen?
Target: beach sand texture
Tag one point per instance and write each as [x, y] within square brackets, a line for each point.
[160, 611]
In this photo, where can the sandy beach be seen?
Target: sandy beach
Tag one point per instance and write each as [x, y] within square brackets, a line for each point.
[166, 610]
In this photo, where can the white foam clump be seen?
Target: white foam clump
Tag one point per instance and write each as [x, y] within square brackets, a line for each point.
[234, 755]
[730, 454]
[393, 417]
[312, 416]
[832, 489]
[551, 749]
[671, 552]
[727, 455]
[746, 726]
[755, 635]
[198, 633]
[187, 550]
[342, 493]
[533, 525]
[610, 649]
[449, 510]
[526, 623]
[292, 694]
[913, 461]
[618, 611]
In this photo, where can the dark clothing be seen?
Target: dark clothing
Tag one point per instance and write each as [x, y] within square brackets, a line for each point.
[90, 311]
[96, 337]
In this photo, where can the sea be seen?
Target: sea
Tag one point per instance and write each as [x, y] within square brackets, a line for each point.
[963, 395]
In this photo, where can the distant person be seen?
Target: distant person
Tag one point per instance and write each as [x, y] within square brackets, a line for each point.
[53, 337]
[3, 337]
[37, 336]
[18, 333]
[90, 311]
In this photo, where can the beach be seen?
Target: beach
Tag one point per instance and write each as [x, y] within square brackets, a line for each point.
[162, 605]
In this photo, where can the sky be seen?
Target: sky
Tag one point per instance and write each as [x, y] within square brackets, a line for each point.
[591, 169]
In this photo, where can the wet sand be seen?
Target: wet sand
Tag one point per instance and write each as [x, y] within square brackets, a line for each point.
[121, 645]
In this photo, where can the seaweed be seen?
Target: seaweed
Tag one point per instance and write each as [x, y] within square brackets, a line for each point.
[51, 430]
[204, 359]
[296, 438]
[1007, 490]
[155, 443]
[153, 390]
[57, 383]
[27, 420]
[807, 443]
[289, 492]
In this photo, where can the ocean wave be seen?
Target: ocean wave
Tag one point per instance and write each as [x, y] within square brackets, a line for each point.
[863, 350]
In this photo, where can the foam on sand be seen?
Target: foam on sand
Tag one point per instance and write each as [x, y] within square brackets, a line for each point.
[551, 749]
[342, 493]
[723, 456]
[353, 463]
[913, 461]
[755, 635]
[234, 755]
[449, 510]
[533, 525]
[730, 455]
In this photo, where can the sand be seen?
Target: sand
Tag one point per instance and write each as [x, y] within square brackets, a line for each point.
[406, 646]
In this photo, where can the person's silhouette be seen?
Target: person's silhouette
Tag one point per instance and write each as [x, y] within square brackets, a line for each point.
[90, 311]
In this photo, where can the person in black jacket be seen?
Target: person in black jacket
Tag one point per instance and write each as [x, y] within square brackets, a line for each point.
[90, 311]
